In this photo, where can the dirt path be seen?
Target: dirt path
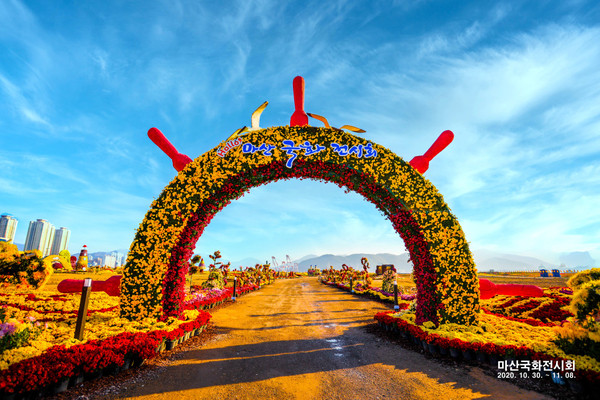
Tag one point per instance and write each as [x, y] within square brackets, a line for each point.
[299, 339]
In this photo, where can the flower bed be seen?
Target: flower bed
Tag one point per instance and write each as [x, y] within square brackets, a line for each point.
[496, 336]
[403, 302]
[109, 355]
[52, 359]
[498, 339]
[549, 310]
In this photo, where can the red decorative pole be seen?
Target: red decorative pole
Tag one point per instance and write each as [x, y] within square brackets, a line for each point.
[421, 163]
[179, 160]
[299, 117]
[111, 286]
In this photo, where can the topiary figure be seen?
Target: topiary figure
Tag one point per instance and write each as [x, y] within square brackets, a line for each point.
[215, 280]
[389, 277]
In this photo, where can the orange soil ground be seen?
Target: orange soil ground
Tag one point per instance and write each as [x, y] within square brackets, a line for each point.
[299, 339]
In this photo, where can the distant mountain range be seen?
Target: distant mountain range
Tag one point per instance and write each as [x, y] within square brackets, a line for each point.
[401, 261]
[485, 260]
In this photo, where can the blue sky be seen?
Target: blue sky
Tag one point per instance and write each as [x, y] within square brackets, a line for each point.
[517, 81]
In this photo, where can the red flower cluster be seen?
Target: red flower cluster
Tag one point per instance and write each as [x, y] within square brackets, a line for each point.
[401, 306]
[553, 311]
[538, 315]
[427, 301]
[529, 321]
[68, 314]
[59, 362]
[226, 293]
[505, 351]
[530, 305]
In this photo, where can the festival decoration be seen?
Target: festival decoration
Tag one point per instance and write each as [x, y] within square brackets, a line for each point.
[58, 263]
[299, 117]
[179, 160]
[154, 276]
[255, 121]
[488, 289]
[82, 262]
[111, 286]
[326, 123]
[421, 163]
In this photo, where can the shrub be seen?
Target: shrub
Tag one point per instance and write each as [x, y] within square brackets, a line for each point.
[582, 277]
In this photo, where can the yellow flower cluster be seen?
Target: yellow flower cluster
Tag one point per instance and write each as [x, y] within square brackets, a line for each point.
[98, 326]
[504, 332]
[456, 285]
[46, 307]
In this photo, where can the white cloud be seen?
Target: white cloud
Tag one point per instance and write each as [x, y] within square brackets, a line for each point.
[20, 103]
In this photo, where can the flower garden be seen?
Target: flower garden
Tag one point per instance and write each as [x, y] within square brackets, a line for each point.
[39, 354]
[555, 336]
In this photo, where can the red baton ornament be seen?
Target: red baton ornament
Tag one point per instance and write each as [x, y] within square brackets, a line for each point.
[299, 117]
[488, 289]
[111, 286]
[421, 163]
[159, 139]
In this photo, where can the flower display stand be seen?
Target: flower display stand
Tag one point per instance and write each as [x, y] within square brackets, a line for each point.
[481, 357]
[60, 387]
[433, 348]
[127, 361]
[137, 362]
[575, 386]
[468, 355]
[443, 351]
[89, 376]
[75, 380]
[171, 344]
[454, 353]
[111, 370]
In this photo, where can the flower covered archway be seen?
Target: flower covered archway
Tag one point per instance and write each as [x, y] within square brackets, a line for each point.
[445, 275]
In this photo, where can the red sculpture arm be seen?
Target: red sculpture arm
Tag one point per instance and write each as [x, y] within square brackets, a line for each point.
[299, 117]
[179, 160]
[488, 289]
[421, 163]
[111, 286]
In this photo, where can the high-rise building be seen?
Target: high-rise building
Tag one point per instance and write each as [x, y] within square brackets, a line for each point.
[119, 258]
[109, 260]
[40, 236]
[8, 227]
[61, 240]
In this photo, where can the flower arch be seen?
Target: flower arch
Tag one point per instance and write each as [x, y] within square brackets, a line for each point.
[154, 275]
